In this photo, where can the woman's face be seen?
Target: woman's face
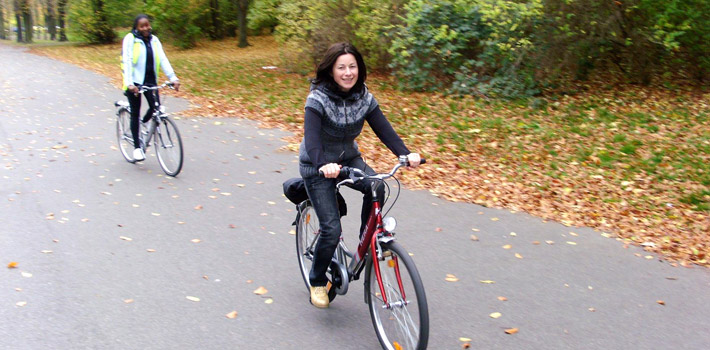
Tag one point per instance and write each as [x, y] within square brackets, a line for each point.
[143, 27]
[345, 72]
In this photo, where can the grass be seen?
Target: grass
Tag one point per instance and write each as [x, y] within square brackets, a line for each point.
[632, 160]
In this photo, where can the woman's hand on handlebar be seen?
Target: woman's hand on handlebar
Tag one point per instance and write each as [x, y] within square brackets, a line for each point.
[414, 160]
[133, 89]
[330, 170]
[176, 85]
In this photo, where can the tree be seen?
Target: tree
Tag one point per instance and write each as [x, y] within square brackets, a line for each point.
[62, 12]
[2, 22]
[242, 9]
[50, 20]
[18, 19]
[27, 19]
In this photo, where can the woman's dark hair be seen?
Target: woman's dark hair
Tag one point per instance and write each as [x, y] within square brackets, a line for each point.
[138, 18]
[324, 70]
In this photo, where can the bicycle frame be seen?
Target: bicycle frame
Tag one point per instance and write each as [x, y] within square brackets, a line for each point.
[374, 233]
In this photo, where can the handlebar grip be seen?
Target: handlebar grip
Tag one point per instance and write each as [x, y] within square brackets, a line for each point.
[423, 161]
[344, 172]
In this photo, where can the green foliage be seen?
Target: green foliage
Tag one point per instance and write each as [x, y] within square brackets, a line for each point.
[373, 23]
[307, 28]
[263, 15]
[88, 20]
[177, 20]
[467, 46]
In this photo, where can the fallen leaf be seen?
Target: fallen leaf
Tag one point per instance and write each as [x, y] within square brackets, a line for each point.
[592, 309]
[536, 242]
[451, 278]
[260, 291]
[462, 339]
[21, 303]
[511, 331]
[46, 252]
[518, 256]
[292, 232]
[571, 243]
[550, 242]
[192, 298]
[475, 230]
[474, 238]
[196, 240]
[232, 314]
[507, 246]
[26, 274]
[513, 234]
[466, 346]
[495, 315]
[198, 207]
[661, 302]
[155, 214]
[494, 219]
[502, 298]
[438, 229]
[12, 265]
[125, 238]
[487, 281]
[269, 301]
[127, 301]
[150, 250]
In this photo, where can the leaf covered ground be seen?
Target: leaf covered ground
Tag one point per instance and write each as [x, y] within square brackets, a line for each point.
[629, 161]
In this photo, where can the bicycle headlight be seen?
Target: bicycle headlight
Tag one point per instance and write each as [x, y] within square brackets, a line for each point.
[389, 223]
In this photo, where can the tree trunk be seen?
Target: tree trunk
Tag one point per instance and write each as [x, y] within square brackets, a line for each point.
[18, 20]
[2, 23]
[27, 19]
[242, 8]
[216, 32]
[50, 20]
[62, 12]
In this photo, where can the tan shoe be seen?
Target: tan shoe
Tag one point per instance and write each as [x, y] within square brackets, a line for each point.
[319, 297]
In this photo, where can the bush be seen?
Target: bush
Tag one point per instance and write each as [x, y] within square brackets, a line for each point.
[467, 47]
[177, 20]
[263, 15]
[307, 28]
[89, 21]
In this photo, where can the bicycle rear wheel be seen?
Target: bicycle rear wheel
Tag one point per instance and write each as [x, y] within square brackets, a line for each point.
[168, 147]
[123, 132]
[403, 322]
[307, 232]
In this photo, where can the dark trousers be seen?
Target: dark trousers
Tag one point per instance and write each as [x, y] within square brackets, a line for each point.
[135, 102]
[321, 192]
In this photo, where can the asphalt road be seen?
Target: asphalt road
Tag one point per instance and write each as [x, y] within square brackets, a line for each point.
[68, 203]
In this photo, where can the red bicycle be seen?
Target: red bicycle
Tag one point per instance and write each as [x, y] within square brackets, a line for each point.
[394, 290]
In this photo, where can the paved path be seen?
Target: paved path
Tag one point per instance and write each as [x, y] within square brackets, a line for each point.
[65, 188]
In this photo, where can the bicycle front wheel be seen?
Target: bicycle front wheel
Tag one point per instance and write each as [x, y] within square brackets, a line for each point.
[403, 321]
[168, 147]
[123, 132]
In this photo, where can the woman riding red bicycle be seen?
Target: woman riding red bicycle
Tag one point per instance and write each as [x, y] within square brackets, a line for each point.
[336, 110]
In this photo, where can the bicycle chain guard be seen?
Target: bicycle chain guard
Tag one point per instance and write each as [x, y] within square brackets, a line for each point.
[339, 277]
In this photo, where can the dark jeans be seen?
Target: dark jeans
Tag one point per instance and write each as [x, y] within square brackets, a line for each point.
[135, 102]
[321, 192]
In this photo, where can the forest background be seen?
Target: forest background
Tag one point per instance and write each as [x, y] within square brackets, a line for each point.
[588, 112]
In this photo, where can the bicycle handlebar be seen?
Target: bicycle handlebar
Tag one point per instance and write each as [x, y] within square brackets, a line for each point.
[355, 174]
[144, 88]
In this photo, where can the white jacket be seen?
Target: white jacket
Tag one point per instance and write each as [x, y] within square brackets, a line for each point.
[133, 57]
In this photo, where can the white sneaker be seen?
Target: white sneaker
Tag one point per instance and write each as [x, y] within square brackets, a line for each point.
[138, 154]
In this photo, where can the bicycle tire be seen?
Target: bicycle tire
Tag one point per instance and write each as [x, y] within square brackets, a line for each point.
[406, 324]
[123, 134]
[168, 147]
[307, 231]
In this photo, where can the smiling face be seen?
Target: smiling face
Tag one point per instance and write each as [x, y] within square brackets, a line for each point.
[143, 27]
[345, 72]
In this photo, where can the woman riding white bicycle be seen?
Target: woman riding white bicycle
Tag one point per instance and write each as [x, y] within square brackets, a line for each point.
[336, 110]
[141, 59]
